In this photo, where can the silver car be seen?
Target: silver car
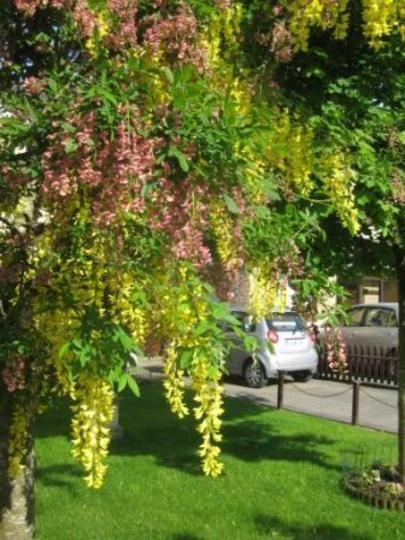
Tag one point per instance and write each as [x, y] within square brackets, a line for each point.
[374, 325]
[285, 344]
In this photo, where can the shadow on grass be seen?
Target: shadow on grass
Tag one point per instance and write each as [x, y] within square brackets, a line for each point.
[151, 429]
[58, 476]
[271, 525]
[254, 442]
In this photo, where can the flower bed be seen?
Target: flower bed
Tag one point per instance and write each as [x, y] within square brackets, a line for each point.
[379, 486]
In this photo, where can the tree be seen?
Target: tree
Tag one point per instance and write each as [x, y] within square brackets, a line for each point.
[145, 161]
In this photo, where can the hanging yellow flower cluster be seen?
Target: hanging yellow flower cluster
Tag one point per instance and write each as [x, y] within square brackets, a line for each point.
[253, 174]
[91, 434]
[381, 18]
[123, 309]
[222, 33]
[174, 382]
[19, 434]
[49, 324]
[321, 13]
[263, 291]
[337, 180]
[221, 226]
[209, 409]
[289, 150]
[101, 29]
[183, 314]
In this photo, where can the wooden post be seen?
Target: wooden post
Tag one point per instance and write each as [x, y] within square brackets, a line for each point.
[355, 403]
[280, 390]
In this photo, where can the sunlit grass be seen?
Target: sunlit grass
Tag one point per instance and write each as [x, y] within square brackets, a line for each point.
[282, 479]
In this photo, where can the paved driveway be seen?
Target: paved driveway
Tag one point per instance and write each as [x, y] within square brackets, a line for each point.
[378, 406]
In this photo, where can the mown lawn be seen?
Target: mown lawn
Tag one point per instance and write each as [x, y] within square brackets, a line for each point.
[282, 479]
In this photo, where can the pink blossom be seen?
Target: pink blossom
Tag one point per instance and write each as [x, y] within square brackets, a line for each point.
[176, 37]
[13, 374]
[33, 86]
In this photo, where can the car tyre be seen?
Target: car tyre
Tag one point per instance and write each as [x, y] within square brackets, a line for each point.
[302, 376]
[390, 371]
[254, 374]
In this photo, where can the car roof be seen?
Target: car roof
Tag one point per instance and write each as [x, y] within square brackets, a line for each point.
[390, 305]
[245, 310]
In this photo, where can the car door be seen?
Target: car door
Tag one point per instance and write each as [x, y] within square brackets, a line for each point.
[380, 328]
[352, 331]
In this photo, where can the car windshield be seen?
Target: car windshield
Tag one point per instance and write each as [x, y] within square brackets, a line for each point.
[286, 322]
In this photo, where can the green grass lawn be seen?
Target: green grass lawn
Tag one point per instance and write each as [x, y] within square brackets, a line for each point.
[282, 479]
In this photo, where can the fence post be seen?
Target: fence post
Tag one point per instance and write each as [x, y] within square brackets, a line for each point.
[355, 402]
[280, 390]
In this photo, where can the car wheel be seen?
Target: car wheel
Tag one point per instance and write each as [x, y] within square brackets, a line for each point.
[253, 374]
[302, 376]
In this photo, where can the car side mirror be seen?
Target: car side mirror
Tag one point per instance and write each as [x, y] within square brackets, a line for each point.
[248, 325]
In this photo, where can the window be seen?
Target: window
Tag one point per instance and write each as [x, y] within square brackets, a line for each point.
[245, 321]
[380, 317]
[286, 322]
[355, 317]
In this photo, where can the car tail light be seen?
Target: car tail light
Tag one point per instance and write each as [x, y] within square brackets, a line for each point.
[272, 336]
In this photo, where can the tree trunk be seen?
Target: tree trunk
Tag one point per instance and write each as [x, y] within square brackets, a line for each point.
[16, 496]
[401, 383]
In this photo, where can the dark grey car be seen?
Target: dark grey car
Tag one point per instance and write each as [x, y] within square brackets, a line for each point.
[374, 325]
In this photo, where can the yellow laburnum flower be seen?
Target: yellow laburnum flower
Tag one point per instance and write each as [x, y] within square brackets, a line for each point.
[381, 18]
[19, 435]
[263, 291]
[209, 398]
[174, 382]
[337, 180]
[221, 226]
[90, 424]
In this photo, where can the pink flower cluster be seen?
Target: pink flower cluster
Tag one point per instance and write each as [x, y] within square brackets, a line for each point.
[33, 85]
[223, 4]
[175, 37]
[30, 7]
[112, 171]
[281, 43]
[85, 19]
[124, 15]
[181, 212]
[13, 374]
[15, 178]
[336, 354]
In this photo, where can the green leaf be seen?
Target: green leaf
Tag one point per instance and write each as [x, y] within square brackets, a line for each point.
[202, 328]
[250, 343]
[183, 163]
[64, 349]
[185, 358]
[133, 386]
[70, 146]
[168, 74]
[231, 204]
[122, 382]
[126, 341]
[175, 152]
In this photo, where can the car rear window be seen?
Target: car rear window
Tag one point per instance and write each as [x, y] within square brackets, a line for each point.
[286, 322]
